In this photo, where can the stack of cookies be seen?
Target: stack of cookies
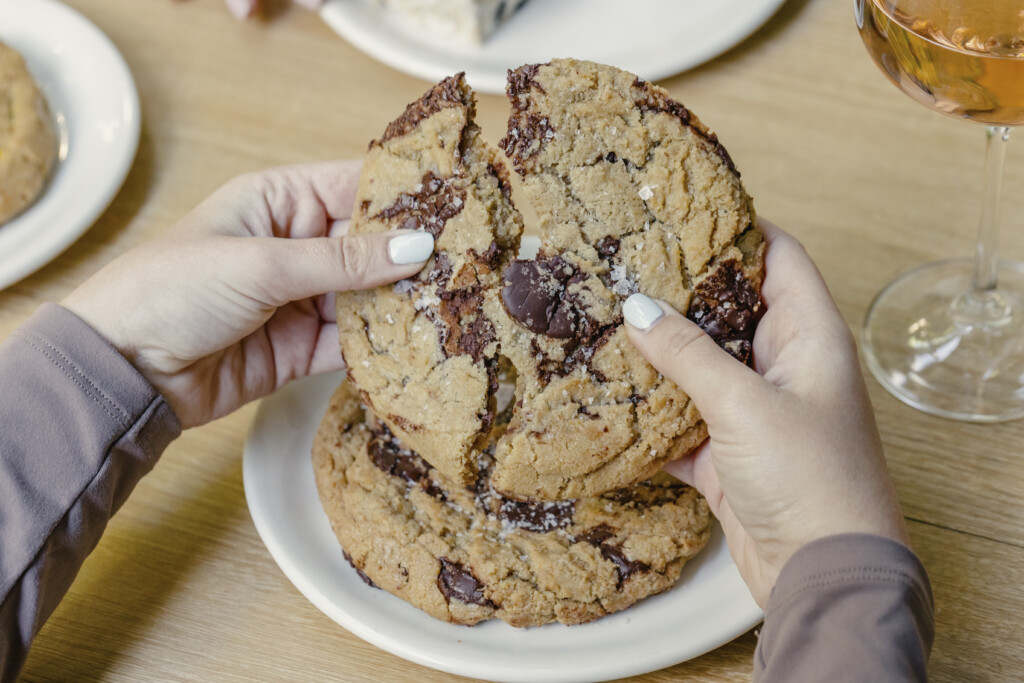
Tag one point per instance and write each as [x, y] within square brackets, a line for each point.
[496, 449]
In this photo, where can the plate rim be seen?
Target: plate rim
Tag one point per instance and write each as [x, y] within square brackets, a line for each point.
[290, 567]
[36, 253]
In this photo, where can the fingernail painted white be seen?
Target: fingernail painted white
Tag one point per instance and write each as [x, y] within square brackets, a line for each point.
[641, 311]
[410, 247]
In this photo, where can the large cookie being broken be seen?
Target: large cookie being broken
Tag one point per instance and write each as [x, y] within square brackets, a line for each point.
[633, 194]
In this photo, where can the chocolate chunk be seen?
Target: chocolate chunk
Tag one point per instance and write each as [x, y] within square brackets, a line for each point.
[651, 100]
[647, 494]
[611, 157]
[455, 581]
[608, 246]
[727, 307]
[464, 330]
[523, 79]
[362, 575]
[490, 258]
[527, 131]
[598, 536]
[390, 456]
[451, 92]
[539, 516]
[429, 207]
[535, 295]
[595, 535]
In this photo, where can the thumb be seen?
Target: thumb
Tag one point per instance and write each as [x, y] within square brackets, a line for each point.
[681, 351]
[294, 269]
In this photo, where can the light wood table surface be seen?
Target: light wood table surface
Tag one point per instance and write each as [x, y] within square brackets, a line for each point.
[181, 588]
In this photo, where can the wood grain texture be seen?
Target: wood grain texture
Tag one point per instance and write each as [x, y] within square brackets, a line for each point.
[181, 588]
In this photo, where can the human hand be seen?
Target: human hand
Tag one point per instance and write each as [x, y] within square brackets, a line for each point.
[793, 453]
[229, 304]
[243, 9]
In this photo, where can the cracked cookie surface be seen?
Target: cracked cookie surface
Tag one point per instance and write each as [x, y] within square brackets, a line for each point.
[464, 554]
[633, 194]
[420, 351]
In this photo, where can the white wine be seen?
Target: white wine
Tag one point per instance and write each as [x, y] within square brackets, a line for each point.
[962, 58]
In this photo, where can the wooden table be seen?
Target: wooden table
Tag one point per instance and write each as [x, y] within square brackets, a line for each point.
[181, 588]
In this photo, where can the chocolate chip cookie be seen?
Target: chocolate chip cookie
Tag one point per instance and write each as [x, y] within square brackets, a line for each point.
[633, 194]
[420, 351]
[466, 553]
[28, 142]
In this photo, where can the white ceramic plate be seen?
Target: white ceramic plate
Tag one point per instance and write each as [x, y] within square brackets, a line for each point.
[651, 38]
[93, 99]
[709, 607]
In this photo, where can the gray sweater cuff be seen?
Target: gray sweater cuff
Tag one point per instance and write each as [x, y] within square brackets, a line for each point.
[852, 607]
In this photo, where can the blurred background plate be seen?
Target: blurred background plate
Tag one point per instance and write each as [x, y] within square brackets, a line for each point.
[93, 99]
[652, 38]
[708, 607]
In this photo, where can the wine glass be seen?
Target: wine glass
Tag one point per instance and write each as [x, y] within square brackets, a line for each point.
[948, 337]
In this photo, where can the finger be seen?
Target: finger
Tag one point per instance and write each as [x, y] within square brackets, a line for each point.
[339, 227]
[327, 353]
[304, 200]
[800, 308]
[791, 274]
[289, 270]
[242, 9]
[326, 309]
[685, 468]
[681, 351]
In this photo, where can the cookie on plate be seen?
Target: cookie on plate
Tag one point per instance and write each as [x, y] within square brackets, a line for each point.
[28, 142]
[420, 351]
[466, 554]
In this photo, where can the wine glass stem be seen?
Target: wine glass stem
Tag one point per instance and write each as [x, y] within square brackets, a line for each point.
[985, 263]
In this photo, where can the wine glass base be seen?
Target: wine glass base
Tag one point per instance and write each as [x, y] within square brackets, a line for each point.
[944, 351]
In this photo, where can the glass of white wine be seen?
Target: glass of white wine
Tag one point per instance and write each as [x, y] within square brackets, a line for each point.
[948, 337]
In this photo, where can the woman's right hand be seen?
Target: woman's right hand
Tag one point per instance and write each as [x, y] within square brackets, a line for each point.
[793, 453]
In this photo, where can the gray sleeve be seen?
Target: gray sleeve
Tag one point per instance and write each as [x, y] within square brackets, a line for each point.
[79, 426]
[853, 607]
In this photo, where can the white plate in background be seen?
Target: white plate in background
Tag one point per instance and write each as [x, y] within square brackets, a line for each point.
[651, 38]
[93, 99]
[708, 607]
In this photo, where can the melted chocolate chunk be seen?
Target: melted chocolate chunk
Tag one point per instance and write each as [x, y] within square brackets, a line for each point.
[646, 494]
[535, 295]
[650, 100]
[540, 516]
[390, 456]
[451, 92]
[490, 258]
[608, 246]
[455, 581]
[362, 575]
[727, 307]
[598, 536]
[464, 330]
[429, 207]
